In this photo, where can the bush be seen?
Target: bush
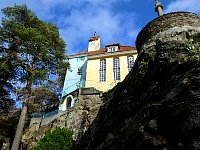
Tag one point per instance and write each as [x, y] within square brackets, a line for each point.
[58, 139]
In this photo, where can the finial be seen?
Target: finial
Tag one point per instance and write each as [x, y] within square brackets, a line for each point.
[95, 33]
[158, 8]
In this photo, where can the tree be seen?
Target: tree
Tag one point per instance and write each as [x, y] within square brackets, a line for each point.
[6, 73]
[36, 50]
[58, 139]
[6, 102]
[43, 99]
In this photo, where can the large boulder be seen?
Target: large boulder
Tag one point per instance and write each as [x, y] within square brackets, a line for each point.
[157, 106]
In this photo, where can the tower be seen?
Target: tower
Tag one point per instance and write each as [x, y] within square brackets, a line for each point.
[158, 8]
[94, 43]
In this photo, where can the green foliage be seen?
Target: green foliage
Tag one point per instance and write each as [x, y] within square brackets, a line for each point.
[58, 139]
[194, 50]
[35, 51]
[34, 46]
[43, 99]
[193, 46]
[6, 73]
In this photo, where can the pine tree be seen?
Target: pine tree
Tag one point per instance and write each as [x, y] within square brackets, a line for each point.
[35, 49]
[6, 73]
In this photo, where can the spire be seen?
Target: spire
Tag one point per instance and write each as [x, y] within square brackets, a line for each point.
[95, 33]
[158, 8]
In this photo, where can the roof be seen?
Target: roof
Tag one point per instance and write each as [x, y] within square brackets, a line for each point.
[94, 38]
[112, 44]
[103, 51]
[79, 53]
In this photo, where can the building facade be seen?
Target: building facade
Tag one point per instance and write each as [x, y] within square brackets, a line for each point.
[108, 66]
[96, 68]
[74, 79]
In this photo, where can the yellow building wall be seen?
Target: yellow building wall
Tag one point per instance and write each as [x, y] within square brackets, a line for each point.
[123, 67]
[92, 73]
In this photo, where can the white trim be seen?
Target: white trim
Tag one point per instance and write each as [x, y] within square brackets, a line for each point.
[63, 106]
[118, 53]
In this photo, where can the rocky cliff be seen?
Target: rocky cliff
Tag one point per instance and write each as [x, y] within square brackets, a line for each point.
[157, 106]
[78, 119]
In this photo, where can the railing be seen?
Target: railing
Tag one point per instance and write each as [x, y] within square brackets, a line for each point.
[90, 83]
[44, 115]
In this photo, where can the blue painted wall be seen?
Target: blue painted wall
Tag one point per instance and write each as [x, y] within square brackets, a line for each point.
[73, 80]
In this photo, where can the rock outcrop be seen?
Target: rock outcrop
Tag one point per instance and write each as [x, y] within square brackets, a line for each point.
[157, 106]
[78, 119]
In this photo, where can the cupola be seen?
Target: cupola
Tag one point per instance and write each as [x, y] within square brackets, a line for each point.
[94, 43]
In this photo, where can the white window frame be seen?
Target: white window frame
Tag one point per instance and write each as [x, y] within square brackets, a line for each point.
[116, 68]
[112, 49]
[102, 70]
[130, 62]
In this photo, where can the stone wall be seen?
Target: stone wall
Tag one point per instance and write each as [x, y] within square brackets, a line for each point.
[165, 22]
[77, 119]
[44, 120]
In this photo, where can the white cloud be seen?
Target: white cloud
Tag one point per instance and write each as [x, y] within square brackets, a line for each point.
[184, 5]
[79, 19]
[112, 27]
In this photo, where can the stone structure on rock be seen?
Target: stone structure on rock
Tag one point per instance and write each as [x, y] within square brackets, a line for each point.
[157, 105]
[78, 119]
[160, 28]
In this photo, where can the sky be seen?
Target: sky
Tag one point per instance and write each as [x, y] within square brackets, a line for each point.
[115, 21]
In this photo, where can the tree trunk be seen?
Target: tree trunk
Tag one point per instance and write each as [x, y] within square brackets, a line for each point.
[20, 127]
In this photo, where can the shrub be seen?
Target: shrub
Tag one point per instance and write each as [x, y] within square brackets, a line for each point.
[58, 139]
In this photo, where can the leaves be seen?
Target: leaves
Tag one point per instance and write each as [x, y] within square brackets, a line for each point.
[36, 51]
[43, 100]
[35, 46]
[6, 88]
[58, 139]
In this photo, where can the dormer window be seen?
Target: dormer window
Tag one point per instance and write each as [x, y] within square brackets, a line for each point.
[82, 58]
[112, 49]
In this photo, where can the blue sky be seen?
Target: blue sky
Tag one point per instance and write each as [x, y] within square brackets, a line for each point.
[115, 21]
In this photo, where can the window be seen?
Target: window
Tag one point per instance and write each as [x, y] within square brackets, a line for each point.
[130, 62]
[112, 49]
[79, 71]
[116, 69]
[82, 58]
[102, 70]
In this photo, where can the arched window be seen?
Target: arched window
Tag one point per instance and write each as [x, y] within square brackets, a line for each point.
[69, 102]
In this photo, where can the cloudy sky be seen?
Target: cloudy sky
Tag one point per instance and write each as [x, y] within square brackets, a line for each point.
[115, 21]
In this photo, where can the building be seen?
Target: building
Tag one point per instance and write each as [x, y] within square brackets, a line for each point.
[75, 78]
[96, 69]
